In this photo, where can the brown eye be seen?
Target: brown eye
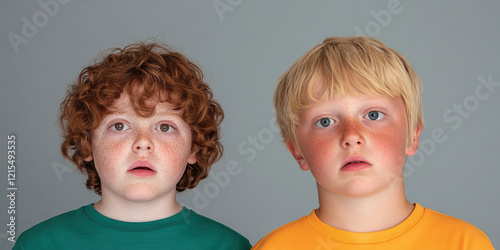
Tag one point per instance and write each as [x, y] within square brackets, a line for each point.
[119, 126]
[164, 127]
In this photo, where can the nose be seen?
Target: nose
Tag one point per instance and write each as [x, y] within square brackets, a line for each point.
[143, 142]
[351, 135]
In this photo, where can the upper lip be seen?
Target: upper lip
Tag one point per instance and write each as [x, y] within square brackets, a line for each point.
[142, 163]
[352, 159]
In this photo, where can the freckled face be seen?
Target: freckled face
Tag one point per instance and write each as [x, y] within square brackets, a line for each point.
[138, 158]
[355, 145]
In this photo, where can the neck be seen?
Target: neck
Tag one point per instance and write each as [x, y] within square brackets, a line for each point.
[371, 213]
[137, 211]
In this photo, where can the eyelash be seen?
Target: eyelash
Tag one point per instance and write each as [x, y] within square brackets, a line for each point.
[318, 123]
[381, 114]
[170, 128]
[125, 127]
[330, 122]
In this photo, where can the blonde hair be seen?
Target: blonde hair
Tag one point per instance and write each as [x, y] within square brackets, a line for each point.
[343, 66]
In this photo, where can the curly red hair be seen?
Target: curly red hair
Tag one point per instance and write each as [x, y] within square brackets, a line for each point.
[143, 71]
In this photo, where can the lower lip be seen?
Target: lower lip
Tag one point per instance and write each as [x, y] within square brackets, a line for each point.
[356, 166]
[142, 172]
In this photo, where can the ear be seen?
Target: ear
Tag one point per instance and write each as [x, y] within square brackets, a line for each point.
[192, 157]
[88, 158]
[412, 149]
[297, 155]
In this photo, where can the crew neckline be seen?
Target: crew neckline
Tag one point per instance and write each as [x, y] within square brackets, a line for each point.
[107, 222]
[348, 237]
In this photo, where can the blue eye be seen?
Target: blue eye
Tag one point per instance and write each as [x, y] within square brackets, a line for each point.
[374, 115]
[164, 128]
[324, 122]
[119, 126]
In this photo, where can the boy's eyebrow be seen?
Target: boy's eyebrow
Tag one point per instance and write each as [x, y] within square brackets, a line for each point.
[169, 112]
[113, 109]
[167, 108]
[158, 111]
[371, 102]
[116, 111]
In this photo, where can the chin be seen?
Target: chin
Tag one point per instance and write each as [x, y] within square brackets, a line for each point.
[359, 188]
[368, 189]
[140, 197]
[142, 193]
[359, 192]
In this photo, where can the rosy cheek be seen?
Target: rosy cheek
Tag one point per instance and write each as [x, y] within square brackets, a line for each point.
[391, 143]
[112, 148]
[109, 151]
[318, 151]
[177, 152]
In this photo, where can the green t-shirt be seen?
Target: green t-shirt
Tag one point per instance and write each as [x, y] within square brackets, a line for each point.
[85, 228]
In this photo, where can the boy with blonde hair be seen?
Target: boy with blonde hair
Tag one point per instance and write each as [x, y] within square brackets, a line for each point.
[350, 111]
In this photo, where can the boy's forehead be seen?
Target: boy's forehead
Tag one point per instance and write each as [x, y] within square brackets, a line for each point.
[124, 105]
[322, 91]
[326, 88]
[358, 99]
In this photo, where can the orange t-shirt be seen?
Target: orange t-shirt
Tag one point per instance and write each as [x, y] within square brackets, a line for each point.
[423, 229]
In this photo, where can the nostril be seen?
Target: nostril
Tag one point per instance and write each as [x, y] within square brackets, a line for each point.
[356, 143]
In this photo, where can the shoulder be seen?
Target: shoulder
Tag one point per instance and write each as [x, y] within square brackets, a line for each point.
[197, 221]
[448, 227]
[56, 225]
[58, 222]
[286, 236]
[206, 227]
[443, 221]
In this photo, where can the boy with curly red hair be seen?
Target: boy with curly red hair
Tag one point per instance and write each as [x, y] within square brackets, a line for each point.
[142, 125]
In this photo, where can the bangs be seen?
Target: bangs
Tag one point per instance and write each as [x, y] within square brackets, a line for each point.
[353, 73]
[144, 95]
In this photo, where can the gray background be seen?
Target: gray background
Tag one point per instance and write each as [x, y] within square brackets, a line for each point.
[243, 51]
